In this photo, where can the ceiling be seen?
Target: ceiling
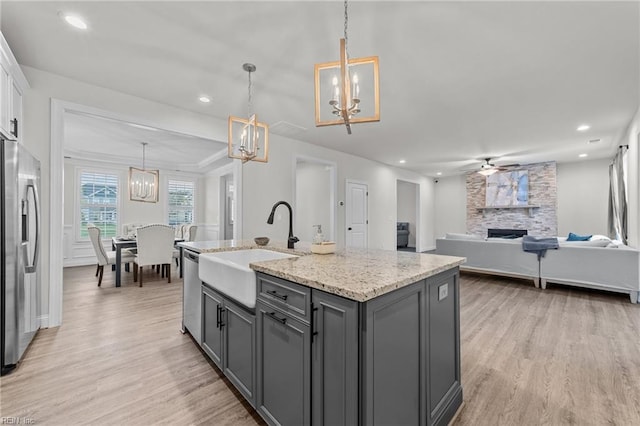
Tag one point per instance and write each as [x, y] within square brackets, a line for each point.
[92, 137]
[459, 81]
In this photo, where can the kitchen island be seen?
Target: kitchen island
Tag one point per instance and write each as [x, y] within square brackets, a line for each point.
[357, 337]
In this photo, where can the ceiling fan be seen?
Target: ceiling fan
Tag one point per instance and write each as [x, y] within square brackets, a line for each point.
[488, 168]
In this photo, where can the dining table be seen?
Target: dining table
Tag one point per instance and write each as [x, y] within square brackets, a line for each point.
[119, 243]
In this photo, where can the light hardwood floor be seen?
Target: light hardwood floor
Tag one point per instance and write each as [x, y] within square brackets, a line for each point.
[560, 356]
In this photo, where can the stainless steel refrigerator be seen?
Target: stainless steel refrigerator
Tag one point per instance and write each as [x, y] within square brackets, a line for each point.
[20, 239]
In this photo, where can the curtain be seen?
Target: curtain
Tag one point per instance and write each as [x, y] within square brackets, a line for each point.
[617, 197]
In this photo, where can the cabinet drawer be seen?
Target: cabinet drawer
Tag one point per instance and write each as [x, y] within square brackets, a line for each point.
[289, 297]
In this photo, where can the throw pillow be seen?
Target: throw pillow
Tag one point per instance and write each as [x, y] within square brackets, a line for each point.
[576, 237]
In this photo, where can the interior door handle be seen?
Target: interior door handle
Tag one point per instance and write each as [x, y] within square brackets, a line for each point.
[349, 229]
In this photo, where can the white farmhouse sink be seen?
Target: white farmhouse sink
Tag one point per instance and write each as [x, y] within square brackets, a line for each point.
[229, 272]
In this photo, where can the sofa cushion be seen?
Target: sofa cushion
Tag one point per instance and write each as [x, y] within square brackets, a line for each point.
[583, 243]
[454, 236]
[576, 237]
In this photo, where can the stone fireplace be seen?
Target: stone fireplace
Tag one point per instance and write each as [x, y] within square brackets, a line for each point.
[539, 221]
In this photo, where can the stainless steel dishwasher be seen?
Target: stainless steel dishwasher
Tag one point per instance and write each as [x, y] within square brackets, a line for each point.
[191, 295]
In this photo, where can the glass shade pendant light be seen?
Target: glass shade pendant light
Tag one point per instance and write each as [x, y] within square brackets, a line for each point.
[347, 91]
[143, 183]
[248, 138]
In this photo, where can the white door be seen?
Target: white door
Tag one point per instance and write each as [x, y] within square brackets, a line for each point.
[356, 215]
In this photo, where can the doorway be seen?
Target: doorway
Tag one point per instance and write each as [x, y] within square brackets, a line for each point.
[227, 205]
[408, 216]
[356, 214]
[59, 111]
[314, 197]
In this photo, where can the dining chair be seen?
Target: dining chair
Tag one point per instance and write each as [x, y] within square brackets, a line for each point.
[188, 233]
[155, 247]
[104, 257]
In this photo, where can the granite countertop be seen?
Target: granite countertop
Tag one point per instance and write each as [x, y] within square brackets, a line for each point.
[356, 274]
[301, 249]
[359, 274]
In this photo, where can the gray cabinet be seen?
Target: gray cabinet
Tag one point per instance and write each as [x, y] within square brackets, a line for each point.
[239, 349]
[445, 391]
[394, 361]
[334, 360]
[228, 337]
[212, 326]
[327, 360]
[284, 372]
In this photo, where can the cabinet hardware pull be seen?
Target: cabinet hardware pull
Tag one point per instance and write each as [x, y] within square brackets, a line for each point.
[222, 310]
[275, 294]
[313, 321]
[217, 316]
[273, 315]
[15, 127]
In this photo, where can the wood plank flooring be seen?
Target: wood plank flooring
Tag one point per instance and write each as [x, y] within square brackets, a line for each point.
[529, 357]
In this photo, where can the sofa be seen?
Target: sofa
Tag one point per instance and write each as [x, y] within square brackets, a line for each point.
[604, 268]
[597, 264]
[403, 234]
[495, 256]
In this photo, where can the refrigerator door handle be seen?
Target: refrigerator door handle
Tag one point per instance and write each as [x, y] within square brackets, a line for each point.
[32, 268]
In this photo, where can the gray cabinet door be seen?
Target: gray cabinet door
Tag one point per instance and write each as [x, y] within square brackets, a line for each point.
[445, 391]
[394, 358]
[284, 373]
[334, 362]
[239, 349]
[212, 324]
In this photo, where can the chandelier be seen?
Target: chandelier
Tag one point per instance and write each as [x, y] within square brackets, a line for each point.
[339, 85]
[143, 183]
[248, 138]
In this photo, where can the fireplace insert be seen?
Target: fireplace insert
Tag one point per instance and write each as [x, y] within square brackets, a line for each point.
[505, 233]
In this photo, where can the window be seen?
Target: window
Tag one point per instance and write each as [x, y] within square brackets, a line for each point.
[99, 203]
[180, 200]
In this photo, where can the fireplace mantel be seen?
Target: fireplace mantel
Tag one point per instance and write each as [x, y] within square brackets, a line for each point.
[529, 207]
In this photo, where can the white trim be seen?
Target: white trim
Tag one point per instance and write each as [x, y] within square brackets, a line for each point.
[56, 223]
[418, 212]
[333, 196]
[237, 182]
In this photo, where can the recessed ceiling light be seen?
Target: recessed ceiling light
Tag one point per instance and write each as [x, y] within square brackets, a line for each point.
[439, 174]
[583, 155]
[74, 21]
[402, 161]
[583, 127]
[204, 99]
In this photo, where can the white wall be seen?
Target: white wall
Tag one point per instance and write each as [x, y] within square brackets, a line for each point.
[450, 205]
[406, 208]
[313, 199]
[37, 132]
[265, 184]
[583, 197]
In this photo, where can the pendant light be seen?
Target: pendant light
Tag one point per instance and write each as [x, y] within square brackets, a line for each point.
[347, 91]
[143, 183]
[248, 138]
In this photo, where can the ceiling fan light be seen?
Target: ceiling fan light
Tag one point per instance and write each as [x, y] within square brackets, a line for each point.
[487, 171]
